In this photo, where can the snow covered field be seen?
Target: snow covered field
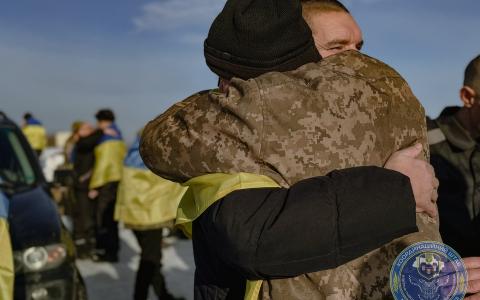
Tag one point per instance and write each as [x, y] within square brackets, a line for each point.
[115, 281]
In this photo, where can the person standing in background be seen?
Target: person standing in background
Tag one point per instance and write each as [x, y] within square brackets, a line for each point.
[69, 147]
[454, 139]
[84, 139]
[146, 203]
[107, 172]
[35, 133]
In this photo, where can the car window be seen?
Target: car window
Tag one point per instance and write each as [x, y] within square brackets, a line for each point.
[15, 167]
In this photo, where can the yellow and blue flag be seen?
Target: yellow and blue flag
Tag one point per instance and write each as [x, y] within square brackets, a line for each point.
[145, 200]
[109, 155]
[35, 134]
[6, 258]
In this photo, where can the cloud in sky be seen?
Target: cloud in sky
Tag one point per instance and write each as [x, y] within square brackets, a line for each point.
[172, 14]
[62, 85]
[167, 15]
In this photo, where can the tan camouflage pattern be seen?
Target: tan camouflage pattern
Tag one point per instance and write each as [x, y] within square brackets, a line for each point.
[347, 110]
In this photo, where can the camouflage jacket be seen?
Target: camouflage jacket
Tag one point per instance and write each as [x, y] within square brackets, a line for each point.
[347, 110]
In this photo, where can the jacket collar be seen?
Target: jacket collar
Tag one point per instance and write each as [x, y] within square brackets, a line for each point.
[455, 133]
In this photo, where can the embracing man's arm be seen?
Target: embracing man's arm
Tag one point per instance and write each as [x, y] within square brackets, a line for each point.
[318, 223]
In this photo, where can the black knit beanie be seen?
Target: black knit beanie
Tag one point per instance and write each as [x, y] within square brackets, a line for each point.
[252, 37]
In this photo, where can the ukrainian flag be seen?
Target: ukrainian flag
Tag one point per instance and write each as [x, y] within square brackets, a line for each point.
[145, 200]
[109, 155]
[35, 134]
[6, 258]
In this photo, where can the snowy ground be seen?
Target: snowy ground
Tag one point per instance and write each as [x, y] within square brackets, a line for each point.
[115, 281]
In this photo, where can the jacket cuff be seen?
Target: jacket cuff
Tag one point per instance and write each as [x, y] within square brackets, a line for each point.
[381, 196]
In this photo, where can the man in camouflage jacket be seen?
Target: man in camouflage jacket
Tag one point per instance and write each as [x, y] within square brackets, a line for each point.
[332, 126]
[348, 110]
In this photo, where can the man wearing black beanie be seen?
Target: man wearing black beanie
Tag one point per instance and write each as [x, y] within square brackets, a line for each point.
[264, 199]
[251, 38]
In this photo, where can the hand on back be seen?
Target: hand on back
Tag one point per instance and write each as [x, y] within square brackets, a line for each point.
[422, 177]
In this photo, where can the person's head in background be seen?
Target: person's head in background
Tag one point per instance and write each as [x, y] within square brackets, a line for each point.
[26, 118]
[333, 27]
[469, 115]
[82, 129]
[79, 130]
[105, 118]
[74, 128]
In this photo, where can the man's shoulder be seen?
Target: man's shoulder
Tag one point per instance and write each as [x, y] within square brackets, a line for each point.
[357, 64]
[180, 105]
[441, 130]
[435, 134]
[192, 98]
[348, 66]
[445, 135]
[169, 119]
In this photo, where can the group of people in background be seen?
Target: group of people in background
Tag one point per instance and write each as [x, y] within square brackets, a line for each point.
[97, 156]
[111, 184]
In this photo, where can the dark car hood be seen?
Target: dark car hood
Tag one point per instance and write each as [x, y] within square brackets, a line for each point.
[33, 219]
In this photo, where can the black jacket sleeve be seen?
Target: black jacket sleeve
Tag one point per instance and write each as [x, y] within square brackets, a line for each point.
[88, 143]
[317, 224]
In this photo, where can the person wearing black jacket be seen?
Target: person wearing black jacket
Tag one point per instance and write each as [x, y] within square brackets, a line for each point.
[249, 233]
[454, 139]
[83, 160]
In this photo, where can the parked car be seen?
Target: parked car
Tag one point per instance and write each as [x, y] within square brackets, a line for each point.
[43, 251]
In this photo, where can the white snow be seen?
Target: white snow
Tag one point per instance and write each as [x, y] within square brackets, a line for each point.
[107, 281]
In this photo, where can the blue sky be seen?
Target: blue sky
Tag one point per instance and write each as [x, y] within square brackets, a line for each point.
[64, 59]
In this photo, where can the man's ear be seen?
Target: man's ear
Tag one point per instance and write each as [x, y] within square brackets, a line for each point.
[467, 94]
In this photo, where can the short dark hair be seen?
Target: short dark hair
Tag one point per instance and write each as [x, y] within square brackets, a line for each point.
[312, 6]
[105, 115]
[27, 116]
[472, 74]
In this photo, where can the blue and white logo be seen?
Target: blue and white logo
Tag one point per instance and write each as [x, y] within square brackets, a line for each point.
[428, 271]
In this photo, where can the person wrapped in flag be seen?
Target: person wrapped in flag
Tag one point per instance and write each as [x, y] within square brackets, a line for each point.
[107, 172]
[35, 133]
[146, 203]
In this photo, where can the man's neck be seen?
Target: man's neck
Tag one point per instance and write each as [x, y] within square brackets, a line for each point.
[464, 116]
[223, 85]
